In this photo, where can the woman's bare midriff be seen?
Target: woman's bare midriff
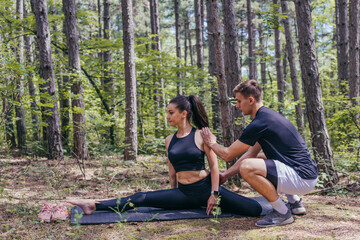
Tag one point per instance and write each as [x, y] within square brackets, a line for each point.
[189, 177]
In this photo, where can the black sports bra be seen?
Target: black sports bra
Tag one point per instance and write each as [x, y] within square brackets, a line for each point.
[184, 155]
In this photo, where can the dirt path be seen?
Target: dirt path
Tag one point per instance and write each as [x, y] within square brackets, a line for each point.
[25, 185]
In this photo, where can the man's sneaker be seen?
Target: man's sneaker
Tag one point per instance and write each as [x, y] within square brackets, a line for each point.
[60, 212]
[297, 208]
[45, 213]
[275, 218]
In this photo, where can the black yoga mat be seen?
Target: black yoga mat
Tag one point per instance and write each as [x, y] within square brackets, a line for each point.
[143, 214]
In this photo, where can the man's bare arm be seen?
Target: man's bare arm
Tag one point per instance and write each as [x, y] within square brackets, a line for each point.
[253, 152]
[226, 153]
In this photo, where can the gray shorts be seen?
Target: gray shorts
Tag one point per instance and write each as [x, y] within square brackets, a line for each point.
[286, 180]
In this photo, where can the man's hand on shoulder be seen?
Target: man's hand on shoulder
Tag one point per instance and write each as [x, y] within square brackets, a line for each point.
[208, 137]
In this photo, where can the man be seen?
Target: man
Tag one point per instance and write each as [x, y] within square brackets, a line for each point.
[285, 166]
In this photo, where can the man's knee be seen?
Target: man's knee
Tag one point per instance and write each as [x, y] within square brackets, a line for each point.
[246, 167]
[251, 166]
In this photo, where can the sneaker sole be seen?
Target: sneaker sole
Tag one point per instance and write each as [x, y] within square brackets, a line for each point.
[44, 220]
[287, 221]
[60, 219]
[300, 211]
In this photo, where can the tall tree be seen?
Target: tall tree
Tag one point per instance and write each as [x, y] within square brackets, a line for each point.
[48, 89]
[278, 64]
[178, 44]
[78, 104]
[292, 65]
[9, 125]
[251, 42]
[212, 70]
[130, 82]
[312, 91]
[158, 81]
[108, 85]
[30, 60]
[354, 51]
[232, 62]
[199, 42]
[19, 108]
[262, 56]
[225, 110]
[342, 44]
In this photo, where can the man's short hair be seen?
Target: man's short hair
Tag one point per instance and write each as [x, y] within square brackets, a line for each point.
[249, 88]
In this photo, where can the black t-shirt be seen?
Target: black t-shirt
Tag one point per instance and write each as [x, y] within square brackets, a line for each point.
[280, 141]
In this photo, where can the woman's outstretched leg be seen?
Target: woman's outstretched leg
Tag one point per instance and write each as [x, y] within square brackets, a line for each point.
[167, 199]
[235, 203]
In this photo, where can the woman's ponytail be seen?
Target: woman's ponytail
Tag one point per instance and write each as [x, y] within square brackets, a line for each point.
[199, 116]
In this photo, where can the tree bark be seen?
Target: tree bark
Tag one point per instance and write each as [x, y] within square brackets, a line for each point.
[251, 42]
[9, 125]
[262, 57]
[55, 150]
[199, 45]
[78, 104]
[212, 70]
[312, 91]
[225, 111]
[354, 51]
[232, 62]
[292, 65]
[108, 80]
[187, 26]
[30, 60]
[19, 108]
[178, 46]
[342, 44]
[130, 83]
[278, 64]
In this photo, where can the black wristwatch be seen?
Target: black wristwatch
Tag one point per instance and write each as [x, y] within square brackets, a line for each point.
[215, 193]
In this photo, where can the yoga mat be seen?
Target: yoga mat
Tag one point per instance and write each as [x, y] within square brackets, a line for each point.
[143, 214]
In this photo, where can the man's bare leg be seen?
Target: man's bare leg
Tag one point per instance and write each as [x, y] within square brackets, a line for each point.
[88, 206]
[253, 170]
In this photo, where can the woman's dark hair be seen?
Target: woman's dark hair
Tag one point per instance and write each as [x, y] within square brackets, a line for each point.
[195, 109]
[249, 88]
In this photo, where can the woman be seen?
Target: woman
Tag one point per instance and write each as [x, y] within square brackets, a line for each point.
[192, 186]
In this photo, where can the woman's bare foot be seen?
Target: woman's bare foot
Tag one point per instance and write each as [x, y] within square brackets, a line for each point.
[88, 206]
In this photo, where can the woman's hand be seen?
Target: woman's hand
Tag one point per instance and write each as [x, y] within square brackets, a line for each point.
[212, 202]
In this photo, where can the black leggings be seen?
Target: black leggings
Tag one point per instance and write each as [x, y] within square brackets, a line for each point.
[193, 195]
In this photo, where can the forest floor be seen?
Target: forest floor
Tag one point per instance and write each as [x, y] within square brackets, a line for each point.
[25, 184]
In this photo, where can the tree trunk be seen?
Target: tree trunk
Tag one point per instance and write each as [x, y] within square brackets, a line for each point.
[159, 95]
[232, 62]
[199, 46]
[19, 109]
[342, 45]
[232, 71]
[187, 24]
[292, 65]
[9, 125]
[130, 83]
[354, 51]
[278, 64]
[178, 46]
[30, 60]
[312, 91]
[251, 42]
[108, 80]
[55, 150]
[262, 57]
[225, 111]
[78, 104]
[212, 69]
